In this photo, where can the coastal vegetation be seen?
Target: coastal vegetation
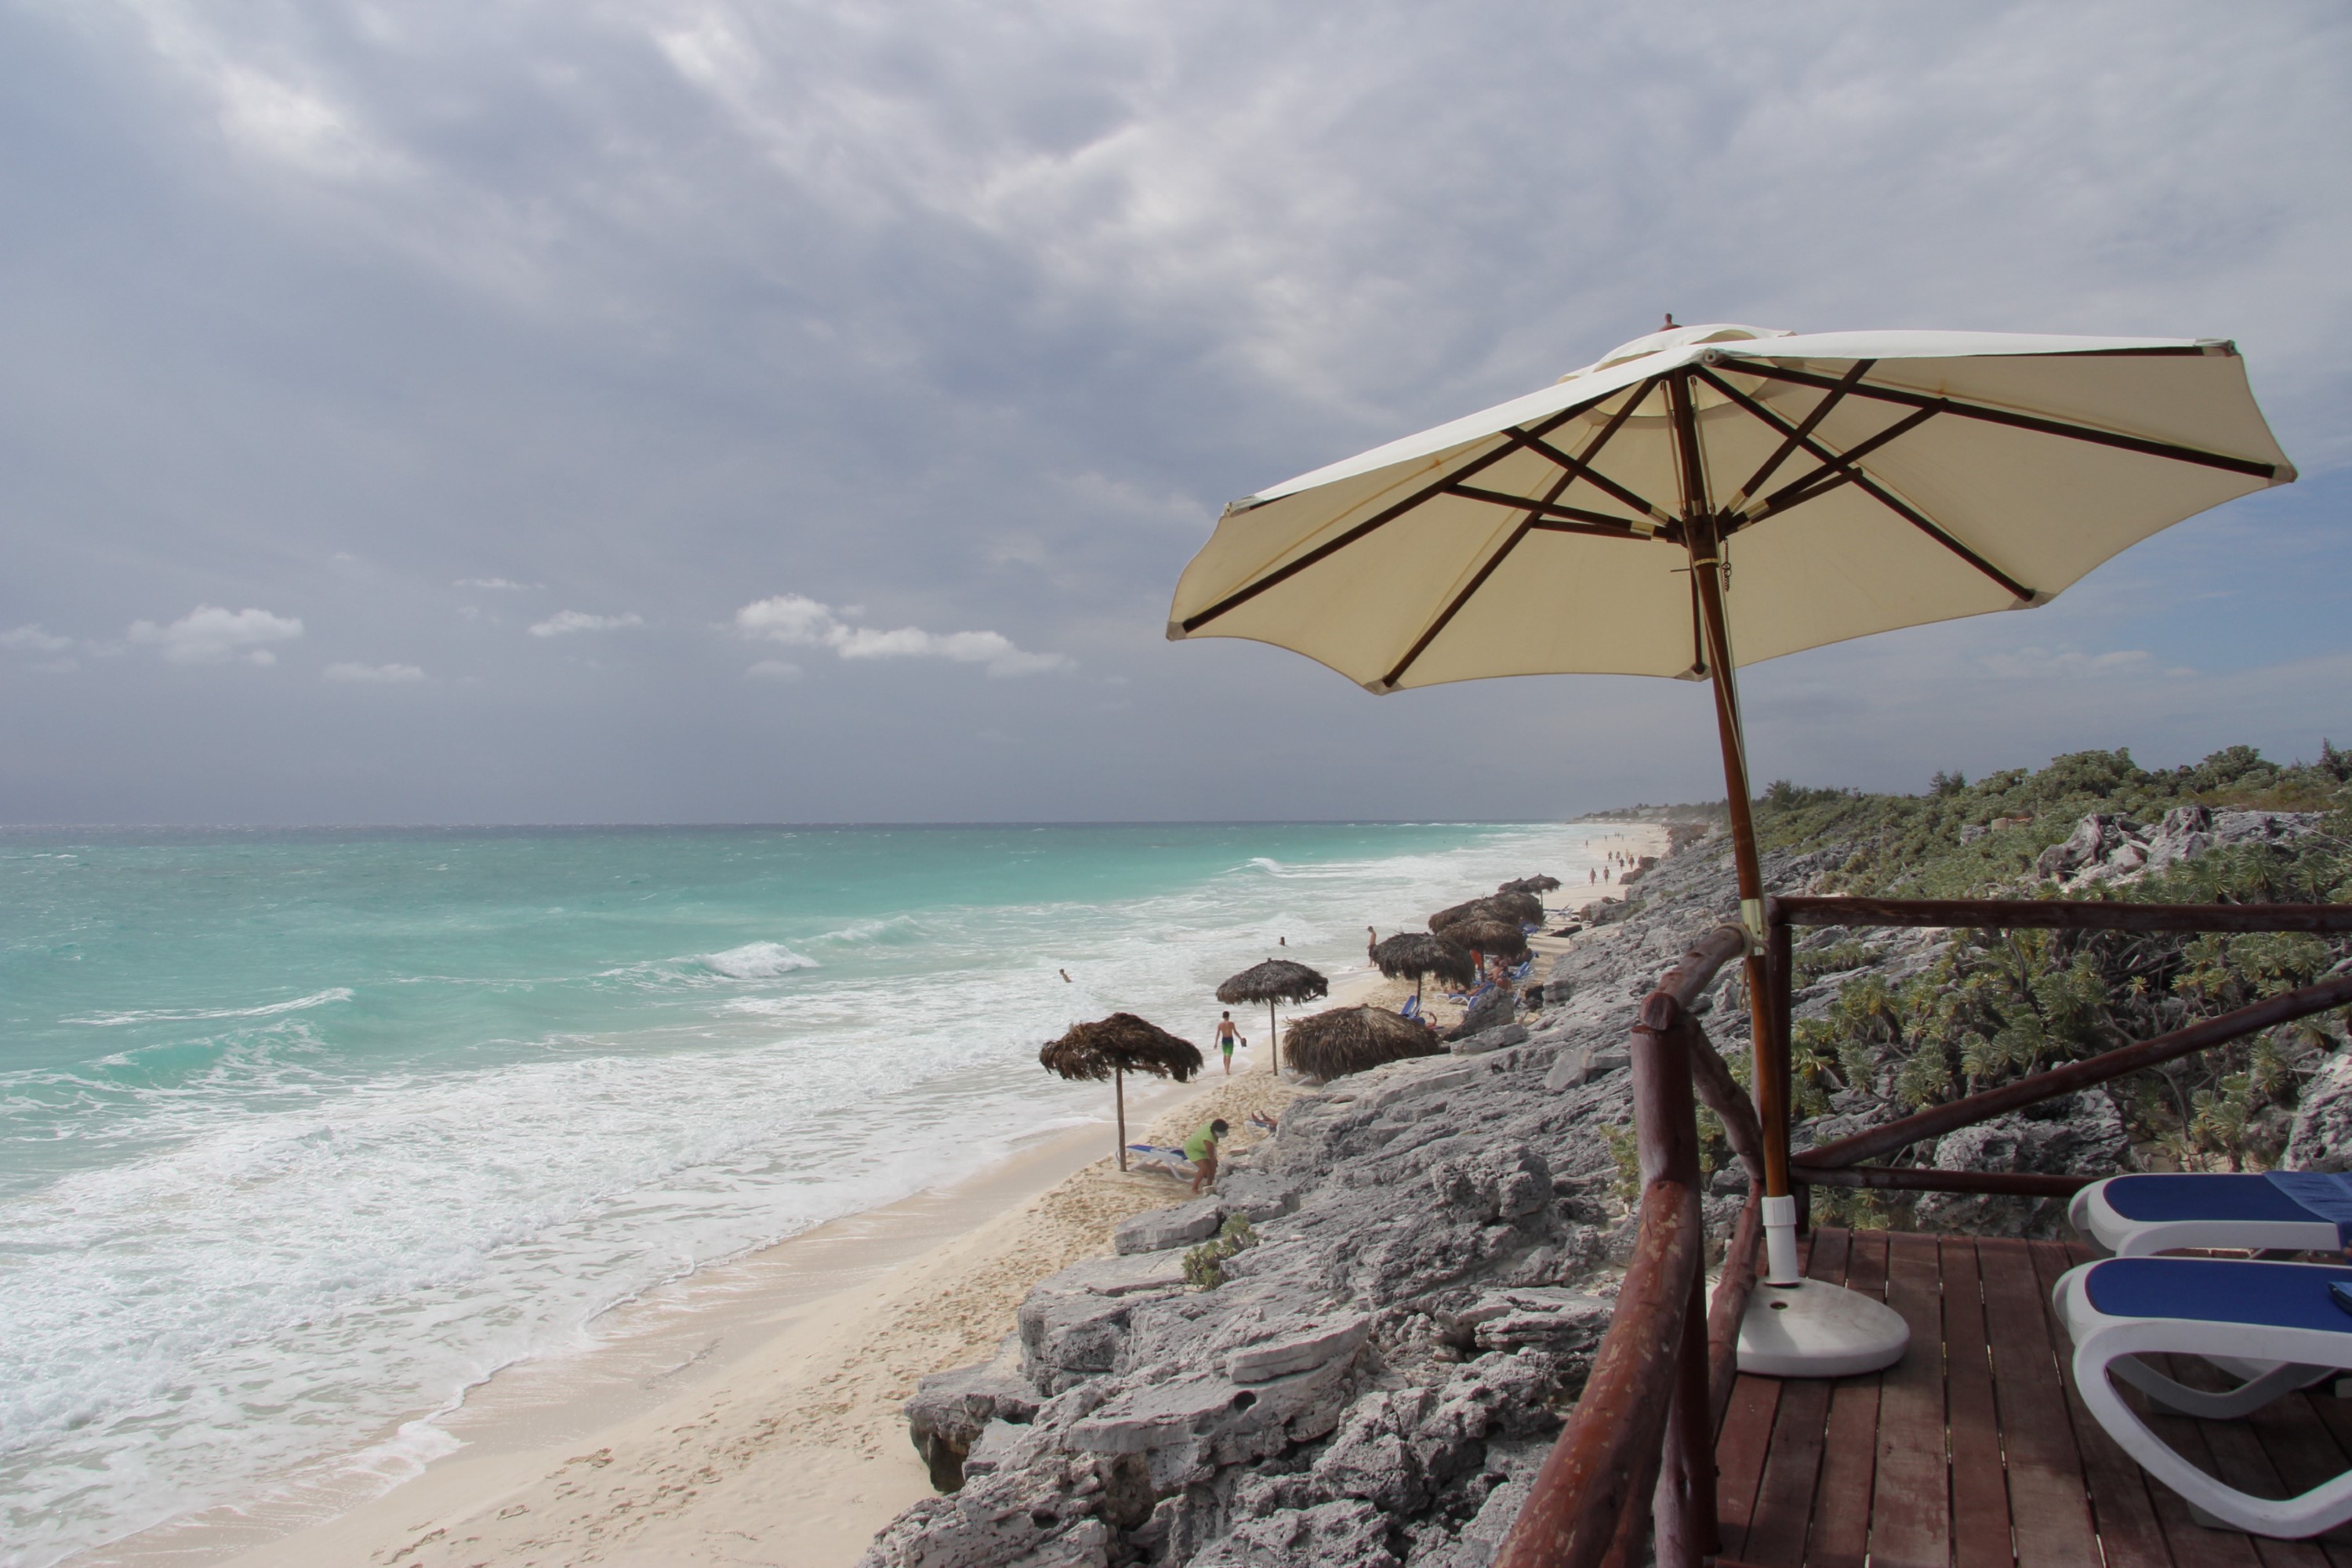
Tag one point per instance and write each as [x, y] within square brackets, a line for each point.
[1972, 1009]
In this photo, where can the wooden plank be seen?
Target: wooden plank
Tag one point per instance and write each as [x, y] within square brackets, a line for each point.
[1841, 1529]
[2304, 1454]
[2048, 1496]
[2193, 1546]
[2238, 1460]
[1744, 1441]
[1777, 1530]
[1910, 1513]
[1981, 1517]
[2121, 1509]
[1739, 1450]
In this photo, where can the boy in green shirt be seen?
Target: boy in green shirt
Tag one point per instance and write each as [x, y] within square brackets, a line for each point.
[1202, 1150]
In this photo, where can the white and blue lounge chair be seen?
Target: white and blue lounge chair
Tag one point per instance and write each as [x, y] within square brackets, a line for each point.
[1412, 1009]
[1167, 1161]
[2121, 1309]
[1520, 972]
[2288, 1211]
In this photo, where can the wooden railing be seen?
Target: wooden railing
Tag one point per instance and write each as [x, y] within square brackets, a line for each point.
[1633, 1467]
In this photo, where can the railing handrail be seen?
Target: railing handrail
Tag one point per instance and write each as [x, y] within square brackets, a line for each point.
[1645, 1421]
[2054, 914]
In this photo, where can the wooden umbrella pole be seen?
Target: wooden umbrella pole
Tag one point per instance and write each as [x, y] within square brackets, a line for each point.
[1118, 1097]
[1273, 1036]
[1768, 1053]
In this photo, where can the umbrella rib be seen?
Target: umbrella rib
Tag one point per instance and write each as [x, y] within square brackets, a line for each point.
[1872, 490]
[2033, 423]
[1789, 443]
[1533, 509]
[1547, 509]
[1281, 575]
[1832, 474]
[1578, 470]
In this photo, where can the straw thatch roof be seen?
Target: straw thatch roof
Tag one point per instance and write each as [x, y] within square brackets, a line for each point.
[1276, 980]
[1516, 909]
[1124, 1043]
[1413, 953]
[1342, 1040]
[1501, 938]
[1536, 885]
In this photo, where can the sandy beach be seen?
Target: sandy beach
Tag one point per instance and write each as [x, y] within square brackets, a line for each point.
[752, 1413]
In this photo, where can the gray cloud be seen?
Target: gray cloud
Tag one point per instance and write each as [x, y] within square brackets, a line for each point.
[974, 318]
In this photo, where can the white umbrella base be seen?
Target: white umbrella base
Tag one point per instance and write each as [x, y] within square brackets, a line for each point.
[1812, 1329]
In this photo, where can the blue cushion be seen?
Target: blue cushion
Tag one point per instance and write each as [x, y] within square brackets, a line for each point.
[2152, 1199]
[2216, 1290]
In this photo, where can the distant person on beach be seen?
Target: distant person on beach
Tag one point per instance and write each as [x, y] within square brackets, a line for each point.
[1227, 1038]
[1065, 977]
[1202, 1150]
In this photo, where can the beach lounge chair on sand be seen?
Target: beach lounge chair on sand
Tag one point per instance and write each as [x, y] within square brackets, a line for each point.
[1167, 1161]
[2289, 1211]
[2121, 1309]
[1412, 1009]
[1520, 972]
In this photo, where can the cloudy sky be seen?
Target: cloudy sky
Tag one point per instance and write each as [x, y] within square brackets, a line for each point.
[596, 411]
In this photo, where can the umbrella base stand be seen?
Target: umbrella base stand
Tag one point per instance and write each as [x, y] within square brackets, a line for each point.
[1813, 1330]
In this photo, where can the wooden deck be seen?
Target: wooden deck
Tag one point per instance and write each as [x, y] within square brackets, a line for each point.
[1974, 1450]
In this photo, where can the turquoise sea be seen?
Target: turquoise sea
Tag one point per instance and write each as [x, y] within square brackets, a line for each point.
[304, 1132]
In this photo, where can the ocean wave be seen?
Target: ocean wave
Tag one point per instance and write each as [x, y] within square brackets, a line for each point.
[756, 961]
[198, 1016]
[893, 927]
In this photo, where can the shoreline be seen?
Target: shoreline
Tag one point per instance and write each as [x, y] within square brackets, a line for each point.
[749, 1413]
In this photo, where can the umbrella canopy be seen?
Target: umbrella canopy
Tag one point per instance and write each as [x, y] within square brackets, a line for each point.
[1121, 1042]
[1860, 481]
[1417, 953]
[1501, 938]
[1511, 909]
[1537, 885]
[1857, 482]
[1276, 980]
[1342, 1040]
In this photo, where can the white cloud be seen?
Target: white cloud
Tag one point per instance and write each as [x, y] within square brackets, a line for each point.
[563, 622]
[802, 621]
[34, 639]
[378, 674]
[498, 584]
[772, 669]
[210, 635]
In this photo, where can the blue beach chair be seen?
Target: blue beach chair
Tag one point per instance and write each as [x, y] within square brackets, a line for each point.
[1412, 1009]
[2121, 1309]
[1166, 1161]
[2290, 1211]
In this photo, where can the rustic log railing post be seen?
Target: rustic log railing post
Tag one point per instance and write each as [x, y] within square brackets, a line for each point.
[1639, 1448]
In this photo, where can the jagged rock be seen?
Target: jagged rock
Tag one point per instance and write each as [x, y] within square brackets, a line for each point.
[1492, 1185]
[1072, 1323]
[1489, 1011]
[2080, 1134]
[1010, 1516]
[1348, 1532]
[1487, 1040]
[1157, 1230]
[1187, 1426]
[1564, 1323]
[1310, 1346]
[2322, 1136]
[949, 1410]
[1257, 1195]
[2094, 838]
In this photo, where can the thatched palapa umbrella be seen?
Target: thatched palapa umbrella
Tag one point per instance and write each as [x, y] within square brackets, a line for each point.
[1511, 909]
[1536, 885]
[1114, 1046]
[1503, 939]
[1349, 1039]
[1276, 980]
[1421, 955]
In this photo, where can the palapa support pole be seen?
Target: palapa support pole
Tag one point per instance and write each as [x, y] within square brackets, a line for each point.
[1273, 1037]
[1118, 1097]
[1767, 1052]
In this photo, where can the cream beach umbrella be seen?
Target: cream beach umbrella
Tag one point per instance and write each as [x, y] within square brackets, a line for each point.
[1715, 495]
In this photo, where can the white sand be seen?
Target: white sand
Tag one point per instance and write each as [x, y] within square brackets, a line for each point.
[751, 1416]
